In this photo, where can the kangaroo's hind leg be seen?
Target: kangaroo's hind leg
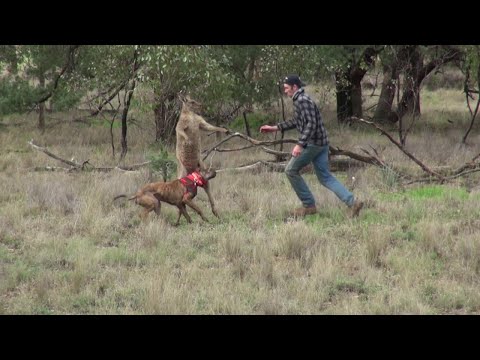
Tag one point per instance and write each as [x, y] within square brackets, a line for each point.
[206, 187]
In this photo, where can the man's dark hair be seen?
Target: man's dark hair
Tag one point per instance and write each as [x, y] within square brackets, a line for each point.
[293, 79]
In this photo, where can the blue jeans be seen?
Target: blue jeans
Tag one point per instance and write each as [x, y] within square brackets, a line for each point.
[318, 155]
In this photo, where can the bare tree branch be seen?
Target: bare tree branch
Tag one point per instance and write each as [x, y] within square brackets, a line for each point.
[468, 166]
[474, 114]
[447, 178]
[109, 98]
[334, 151]
[257, 166]
[418, 162]
[82, 166]
[249, 139]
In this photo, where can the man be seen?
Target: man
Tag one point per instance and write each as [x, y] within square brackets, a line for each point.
[312, 147]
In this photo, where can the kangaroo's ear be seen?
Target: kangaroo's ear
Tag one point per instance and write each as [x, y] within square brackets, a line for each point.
[181, 96]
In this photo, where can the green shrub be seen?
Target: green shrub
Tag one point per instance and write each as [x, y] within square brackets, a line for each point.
[390, 178]
[161, 162]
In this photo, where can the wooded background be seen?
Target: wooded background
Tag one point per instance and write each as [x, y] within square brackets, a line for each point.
[230, 80]
[406, 110]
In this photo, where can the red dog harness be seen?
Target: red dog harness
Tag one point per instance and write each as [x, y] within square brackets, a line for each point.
[191, 181]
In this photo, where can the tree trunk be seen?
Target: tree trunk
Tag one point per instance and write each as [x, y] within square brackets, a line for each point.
[356, 96]
[247, 125]
[410, 103]
[474, 113]
[159, 115]
[344, 102]
[126, 107]
[217, 123]
[349, 85]
[41, 117]
[166, 114]
[349, 97]
[410, 62]
[414, 75]
[41, 107]
[383, 111]
[126, 104]
[280, 88]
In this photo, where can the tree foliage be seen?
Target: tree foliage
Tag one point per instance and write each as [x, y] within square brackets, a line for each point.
[226, 78]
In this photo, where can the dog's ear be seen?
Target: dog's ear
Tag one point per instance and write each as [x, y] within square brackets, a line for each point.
[210, 174]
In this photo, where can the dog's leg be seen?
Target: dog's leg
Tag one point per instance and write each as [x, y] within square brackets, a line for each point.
[158, 207]
[188, 201]
[182, 210]
[150, 203]
[178, 218]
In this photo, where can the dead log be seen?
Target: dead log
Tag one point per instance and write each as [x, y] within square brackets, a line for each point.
[86, 165]
[45, 151]
[342, 164]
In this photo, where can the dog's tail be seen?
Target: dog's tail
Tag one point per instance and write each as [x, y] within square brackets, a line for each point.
[124, 196]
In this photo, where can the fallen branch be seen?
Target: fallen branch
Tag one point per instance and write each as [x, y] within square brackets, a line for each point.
[418, 162]
[337, 165]
[468, 166]
[277, 167]
[230, 150]
[50, 168]
[334, 151]
[44, 150]
[447, 178]
[82, 166]
[373, 159]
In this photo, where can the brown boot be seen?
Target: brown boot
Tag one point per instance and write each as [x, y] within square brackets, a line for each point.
[303, 211]
[355, 209]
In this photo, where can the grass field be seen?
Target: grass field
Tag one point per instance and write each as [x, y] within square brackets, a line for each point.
[66, 248]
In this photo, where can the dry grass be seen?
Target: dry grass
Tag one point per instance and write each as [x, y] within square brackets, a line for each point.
[66, 248]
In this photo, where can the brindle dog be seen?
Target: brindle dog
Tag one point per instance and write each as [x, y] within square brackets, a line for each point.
[178, 192]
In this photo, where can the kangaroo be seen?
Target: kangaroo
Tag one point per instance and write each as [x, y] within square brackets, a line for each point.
[188, 148]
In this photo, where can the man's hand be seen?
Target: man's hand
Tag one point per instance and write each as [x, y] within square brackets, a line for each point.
[268, 128]
[297, 150]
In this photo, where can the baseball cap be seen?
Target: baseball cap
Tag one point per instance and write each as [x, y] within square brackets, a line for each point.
[293, 79]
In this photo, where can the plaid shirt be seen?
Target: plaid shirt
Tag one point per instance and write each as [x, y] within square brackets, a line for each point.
[307, 120]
